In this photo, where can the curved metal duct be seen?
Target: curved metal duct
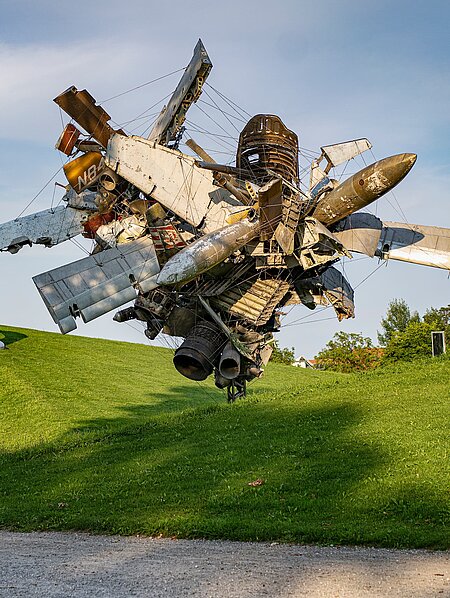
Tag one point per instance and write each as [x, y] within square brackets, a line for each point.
[230, 362]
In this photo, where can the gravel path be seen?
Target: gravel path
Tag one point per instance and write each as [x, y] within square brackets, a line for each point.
[81, 565]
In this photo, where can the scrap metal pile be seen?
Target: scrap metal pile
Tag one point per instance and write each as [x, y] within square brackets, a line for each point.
[210, 252]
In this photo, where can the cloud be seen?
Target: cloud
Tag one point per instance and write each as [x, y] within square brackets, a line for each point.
[32, 75]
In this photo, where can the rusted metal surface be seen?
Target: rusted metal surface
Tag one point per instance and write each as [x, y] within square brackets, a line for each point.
[94, 222]
[266, 143]
[68, 139]
[227, 277]
[269, 200]
[81, 106]
[317, 244]
[290, 217]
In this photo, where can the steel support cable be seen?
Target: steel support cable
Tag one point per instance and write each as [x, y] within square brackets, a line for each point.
[208, 149]
[39, 193]
[200, 129]
[144, 113]
[79, 246]
[219, 139]
[215, 122]
[225, 114]
[217, 107]
[133, 120]
[142, 85]
[230, 102]
[330, 305]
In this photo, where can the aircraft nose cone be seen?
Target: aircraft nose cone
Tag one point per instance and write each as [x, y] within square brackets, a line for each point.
[395, 168]
[402, 165]
[409, 160]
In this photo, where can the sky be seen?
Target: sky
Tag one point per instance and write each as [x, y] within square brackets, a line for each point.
[333, 71]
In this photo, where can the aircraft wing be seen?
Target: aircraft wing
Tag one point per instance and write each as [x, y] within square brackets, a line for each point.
[49, 227]
[414, 243]
[95, 285]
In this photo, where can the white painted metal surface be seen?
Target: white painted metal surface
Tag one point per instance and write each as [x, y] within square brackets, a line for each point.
[172, 178]
[341, 152]
[200, 62]
[415, 243]
[92, 286]
[48, 227]
[121, 231]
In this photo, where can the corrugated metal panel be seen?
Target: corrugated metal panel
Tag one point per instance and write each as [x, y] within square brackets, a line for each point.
[216, 286]
[253, 301]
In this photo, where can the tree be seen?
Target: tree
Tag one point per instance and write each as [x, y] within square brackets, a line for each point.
[412, 343]
[441, 315]
[348, 352]
[286, 356]
[440, 319]
[397, 319]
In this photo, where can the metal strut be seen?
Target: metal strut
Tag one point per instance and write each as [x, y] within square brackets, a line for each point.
[236, 390]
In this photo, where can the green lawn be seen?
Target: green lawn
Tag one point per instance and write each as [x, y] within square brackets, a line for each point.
[106, 436]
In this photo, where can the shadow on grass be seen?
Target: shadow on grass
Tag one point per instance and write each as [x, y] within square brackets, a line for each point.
[186, 474]
[9, 337]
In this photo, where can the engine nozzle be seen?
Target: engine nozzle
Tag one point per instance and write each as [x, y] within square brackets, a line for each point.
[199, 354]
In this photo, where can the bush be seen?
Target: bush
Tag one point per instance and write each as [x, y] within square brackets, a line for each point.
[349, 352]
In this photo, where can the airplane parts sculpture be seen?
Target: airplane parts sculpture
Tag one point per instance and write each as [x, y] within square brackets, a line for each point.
[210, 252]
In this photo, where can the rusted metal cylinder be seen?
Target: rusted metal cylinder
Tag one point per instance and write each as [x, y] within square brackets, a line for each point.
[266, 143]
[225, 169]
[68, 139]
[199, 354]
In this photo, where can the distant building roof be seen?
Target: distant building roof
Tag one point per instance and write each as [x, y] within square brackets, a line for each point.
[302, 362]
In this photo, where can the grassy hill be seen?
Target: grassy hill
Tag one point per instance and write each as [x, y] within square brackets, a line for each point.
[106, 436]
